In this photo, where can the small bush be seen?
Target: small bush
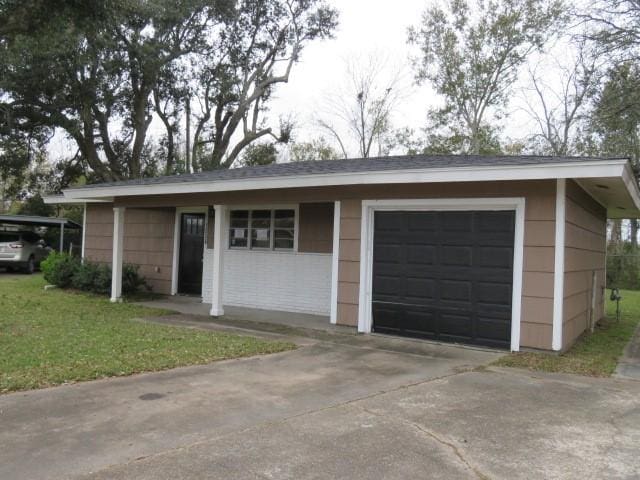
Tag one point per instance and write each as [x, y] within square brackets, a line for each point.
[132, 282]
[60, 269]
[66, 271]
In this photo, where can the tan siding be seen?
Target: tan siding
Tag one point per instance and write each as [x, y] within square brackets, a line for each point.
[98, 233]
[315, 225]
[148, 241]
[585, 252]
[349, 262]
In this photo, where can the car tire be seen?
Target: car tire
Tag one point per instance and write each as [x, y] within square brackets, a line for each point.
[30, 267]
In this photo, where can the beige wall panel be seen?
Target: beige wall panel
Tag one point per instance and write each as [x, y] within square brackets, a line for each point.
[348, 292]
[576, 304]
[537, 310]
[579, 214]
[349, 271]
[537, 284]
[576, 260]
[537, 335]
[350, 228]
[539, 259]
[572, 329]
[348, 314]
[578, 237]
[539, 233]
[585, 253]
[350, 250]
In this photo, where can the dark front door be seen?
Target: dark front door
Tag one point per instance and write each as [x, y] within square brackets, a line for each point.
[444, 275]
[191, 253]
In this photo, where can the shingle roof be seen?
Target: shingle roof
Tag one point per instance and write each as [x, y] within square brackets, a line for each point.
[355, 165]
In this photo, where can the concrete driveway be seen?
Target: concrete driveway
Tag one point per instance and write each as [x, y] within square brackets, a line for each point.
[365, 407]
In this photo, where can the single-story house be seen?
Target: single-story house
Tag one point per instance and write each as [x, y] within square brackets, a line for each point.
[501, 251]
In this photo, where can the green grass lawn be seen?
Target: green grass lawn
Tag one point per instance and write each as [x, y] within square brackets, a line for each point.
[53, 337]
[595, 354]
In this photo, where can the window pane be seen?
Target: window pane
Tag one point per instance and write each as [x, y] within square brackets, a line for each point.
[284, 218]
[239, 219]
[261, 229]
[283, 243]
[239, 228]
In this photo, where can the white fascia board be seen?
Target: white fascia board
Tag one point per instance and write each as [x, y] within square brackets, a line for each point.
[64, 200]
[606, 168]
[632, 185]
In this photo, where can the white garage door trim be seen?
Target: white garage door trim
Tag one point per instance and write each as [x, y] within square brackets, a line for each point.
[369, 207]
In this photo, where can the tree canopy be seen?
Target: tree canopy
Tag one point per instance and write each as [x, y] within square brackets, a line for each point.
[100, 71]
[470, 53]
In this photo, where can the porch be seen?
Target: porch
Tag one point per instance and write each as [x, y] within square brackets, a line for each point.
[244, 317]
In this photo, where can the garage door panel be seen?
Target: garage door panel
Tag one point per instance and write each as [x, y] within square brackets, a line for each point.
[495, 256]
[449, 277]
[490, 328]
[456, 222]
[385, 253]
[421, 254]
[493, 293]
[455, 290]
[385, 286]
[456, 255]
[420, 321]
[421, 288]
[495, 222]
[457, 324]
[422, 222]
[389, 318]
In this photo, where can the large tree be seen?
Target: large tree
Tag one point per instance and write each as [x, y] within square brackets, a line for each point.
[90, 69]
[470, 53]
[561, 102]
[247, 59]
[100, 71]
[358, 113]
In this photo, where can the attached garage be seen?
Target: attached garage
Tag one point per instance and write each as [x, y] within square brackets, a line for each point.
[444, 275]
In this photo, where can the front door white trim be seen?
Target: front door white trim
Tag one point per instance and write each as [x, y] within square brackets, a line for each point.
[369, 207]
[176, 242]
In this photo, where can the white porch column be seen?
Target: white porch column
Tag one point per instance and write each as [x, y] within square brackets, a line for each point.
[84, 231]
[335, 262]
[118, 242]
[558, 272]
[219, 231]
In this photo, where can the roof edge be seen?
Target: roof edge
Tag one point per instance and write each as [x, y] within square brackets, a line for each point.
[573, 169]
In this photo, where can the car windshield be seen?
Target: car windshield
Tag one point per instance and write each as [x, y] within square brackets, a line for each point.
[6, 237]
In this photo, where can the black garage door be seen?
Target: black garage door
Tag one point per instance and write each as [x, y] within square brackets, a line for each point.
[444, 275]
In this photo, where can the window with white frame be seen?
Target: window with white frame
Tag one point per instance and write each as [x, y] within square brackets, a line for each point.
[262, 229]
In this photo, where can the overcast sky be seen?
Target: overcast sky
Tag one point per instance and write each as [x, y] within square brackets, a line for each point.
[378, 28]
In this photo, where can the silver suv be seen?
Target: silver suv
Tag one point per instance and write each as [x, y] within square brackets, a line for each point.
[22, 250]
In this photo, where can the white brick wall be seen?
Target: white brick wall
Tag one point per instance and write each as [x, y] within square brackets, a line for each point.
[294, 282]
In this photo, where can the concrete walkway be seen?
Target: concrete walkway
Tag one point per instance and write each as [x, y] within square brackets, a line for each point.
[629, 363]
[340, 406]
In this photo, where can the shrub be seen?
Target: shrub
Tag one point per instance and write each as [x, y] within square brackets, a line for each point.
[60, 268]
[132, 282]
[66, 271]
